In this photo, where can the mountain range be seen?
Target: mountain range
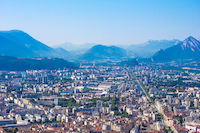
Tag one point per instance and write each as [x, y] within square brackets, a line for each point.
[19, 44]
[143, 50]
[188, 49]
[149, 48]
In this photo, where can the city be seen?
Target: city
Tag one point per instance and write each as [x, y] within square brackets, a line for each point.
[99, 66]
[101, 98]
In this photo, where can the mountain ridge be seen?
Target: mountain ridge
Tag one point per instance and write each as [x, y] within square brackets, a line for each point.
[17, 43]
[187, 49]
[100, 52]
[150, 47]
[10, 63]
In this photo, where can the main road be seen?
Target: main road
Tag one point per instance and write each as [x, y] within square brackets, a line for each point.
[145, 91]
[143, 88]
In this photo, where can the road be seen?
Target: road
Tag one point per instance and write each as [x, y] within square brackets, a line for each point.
[151, 101]
[143, 88]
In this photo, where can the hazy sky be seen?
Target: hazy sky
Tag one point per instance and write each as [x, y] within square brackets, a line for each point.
[102, 21]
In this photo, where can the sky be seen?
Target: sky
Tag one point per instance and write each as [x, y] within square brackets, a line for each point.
[109, 22]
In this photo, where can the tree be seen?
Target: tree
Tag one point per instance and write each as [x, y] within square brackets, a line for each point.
[180, 119]
[114, 103]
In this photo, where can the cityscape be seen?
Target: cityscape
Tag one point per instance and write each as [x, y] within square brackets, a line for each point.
[93, 98]
[106, 84]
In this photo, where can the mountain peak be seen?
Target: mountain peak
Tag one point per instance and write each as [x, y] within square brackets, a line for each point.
[13, 31]
[101, 52]
[20, 44]
[190, 38]
[98, 46]
[191, 43]
[188, 49]
[16, 30]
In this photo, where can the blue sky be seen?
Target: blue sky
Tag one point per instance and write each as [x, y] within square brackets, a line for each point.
[110, 22]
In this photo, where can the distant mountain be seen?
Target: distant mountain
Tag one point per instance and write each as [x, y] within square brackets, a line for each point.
[151, 47]
[100, 52]
[21, 64]
[62, 53]
[75, 47]
[75, 50]
[19, 44]
[188, 49]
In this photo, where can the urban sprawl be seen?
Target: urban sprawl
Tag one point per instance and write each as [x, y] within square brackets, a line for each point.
[92, 98]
